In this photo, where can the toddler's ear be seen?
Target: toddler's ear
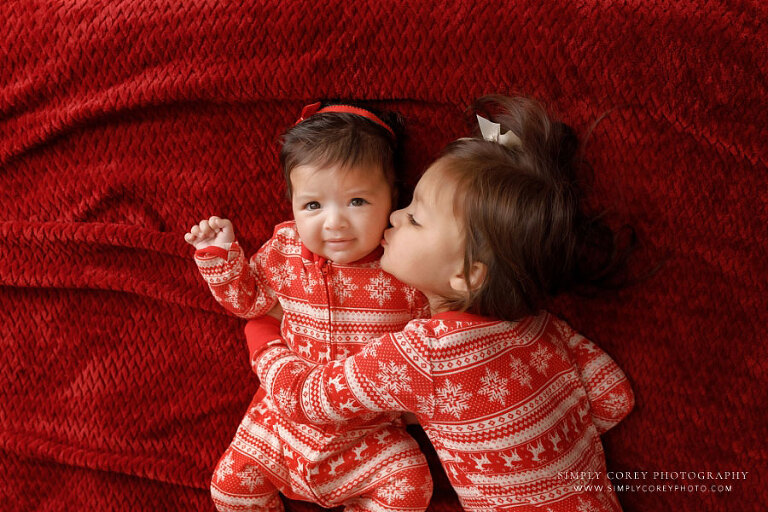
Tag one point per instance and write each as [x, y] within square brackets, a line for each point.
[477, 273]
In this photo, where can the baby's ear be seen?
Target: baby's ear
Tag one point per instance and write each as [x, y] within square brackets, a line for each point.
[477, 273]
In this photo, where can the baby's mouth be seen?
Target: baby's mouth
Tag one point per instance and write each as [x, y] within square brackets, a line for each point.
[339, 241]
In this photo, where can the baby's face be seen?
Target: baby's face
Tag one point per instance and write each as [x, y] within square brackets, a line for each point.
[340, 213]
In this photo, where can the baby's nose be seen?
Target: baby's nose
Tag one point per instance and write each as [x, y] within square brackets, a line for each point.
[335, 219]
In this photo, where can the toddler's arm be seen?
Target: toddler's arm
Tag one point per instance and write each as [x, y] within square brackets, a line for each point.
[378, 379]
[237, 285]
[261, 333]
[610, 395]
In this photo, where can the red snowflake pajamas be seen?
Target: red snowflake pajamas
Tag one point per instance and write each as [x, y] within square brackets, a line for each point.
[330, 311]
[514, 410]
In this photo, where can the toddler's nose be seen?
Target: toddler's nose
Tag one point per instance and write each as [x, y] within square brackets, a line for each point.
[395, 216]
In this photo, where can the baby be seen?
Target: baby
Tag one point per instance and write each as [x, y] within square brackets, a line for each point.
[323, 269]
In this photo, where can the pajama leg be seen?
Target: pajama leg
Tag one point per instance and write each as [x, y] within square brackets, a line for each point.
[406, 491]
[238, 485]
[239, 482]
[384, 471]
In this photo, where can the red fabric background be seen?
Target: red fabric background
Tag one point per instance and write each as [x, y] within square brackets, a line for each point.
[121, 123]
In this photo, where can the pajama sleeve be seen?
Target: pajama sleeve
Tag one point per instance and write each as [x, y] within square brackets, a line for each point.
[238, 285]
[260, 332]
[610, 396]
[392, 373]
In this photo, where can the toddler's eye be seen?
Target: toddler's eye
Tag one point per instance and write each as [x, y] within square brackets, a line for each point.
[412, 220]
[312, 205]
[358, 201]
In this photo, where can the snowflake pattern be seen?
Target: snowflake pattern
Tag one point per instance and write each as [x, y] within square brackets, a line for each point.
[453, 399]
[410, 296]
[250, 478]
[395, 490]
[586, 506]
[286, 401]
[283, 275]
[380, 289]
[560, 349]
[225, 468]
[309, 281]
[494, 387]
[343, 287]
[393, 377]
[370, 349]
[540, 359]
[520, 371]
[426, 404]
[232, 295]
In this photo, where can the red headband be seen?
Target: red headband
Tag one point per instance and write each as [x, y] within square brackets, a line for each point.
[314, 108]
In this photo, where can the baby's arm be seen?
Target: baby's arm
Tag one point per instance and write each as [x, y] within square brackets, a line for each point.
[235, 284]
[378, 379]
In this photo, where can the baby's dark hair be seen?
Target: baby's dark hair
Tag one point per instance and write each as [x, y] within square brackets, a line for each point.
[345, 139]
[521, 211]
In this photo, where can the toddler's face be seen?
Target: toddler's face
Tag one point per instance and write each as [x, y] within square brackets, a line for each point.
[340, 213]
[425, 245]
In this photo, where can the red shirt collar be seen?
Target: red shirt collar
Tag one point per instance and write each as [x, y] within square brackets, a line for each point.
[463, 316]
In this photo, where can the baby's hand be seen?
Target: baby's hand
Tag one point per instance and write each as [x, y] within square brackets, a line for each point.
[213, 231]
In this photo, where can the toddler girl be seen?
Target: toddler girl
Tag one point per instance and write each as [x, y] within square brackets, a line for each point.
[511, 397]
[323, 269]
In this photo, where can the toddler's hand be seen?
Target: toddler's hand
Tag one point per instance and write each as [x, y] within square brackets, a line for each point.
[213, 231]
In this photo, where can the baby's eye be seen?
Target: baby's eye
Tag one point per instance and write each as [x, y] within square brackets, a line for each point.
[358, 201]
[412, 220]
[312, 205]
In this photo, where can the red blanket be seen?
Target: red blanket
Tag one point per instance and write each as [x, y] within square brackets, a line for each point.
[121, 123]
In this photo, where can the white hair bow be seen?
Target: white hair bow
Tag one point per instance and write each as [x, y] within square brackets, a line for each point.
[492, 132]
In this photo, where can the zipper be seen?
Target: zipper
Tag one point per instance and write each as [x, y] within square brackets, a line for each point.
[325, 270]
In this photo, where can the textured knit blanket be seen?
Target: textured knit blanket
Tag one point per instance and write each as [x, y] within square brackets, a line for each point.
[123, 122]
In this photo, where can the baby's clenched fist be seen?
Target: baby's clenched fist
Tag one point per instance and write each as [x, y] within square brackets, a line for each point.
[213, 231]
